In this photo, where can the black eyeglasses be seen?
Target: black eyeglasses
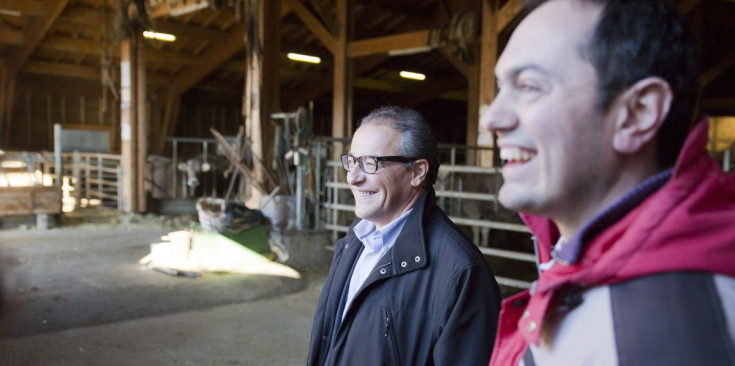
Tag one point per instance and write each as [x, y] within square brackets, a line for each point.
[369, 164]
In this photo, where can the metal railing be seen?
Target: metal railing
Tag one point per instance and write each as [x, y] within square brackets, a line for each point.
[92, 178]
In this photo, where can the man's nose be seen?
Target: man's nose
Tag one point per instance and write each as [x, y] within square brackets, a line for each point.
[498, 116]
[355, 175]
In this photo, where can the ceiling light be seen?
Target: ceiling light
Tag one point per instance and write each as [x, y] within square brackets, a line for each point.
[186, 9]
[159, 36]
[14, 13]
[412, 75]
[409, 51]
[304, 58]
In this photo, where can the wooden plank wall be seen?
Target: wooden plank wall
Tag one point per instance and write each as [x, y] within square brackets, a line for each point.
[41, 102]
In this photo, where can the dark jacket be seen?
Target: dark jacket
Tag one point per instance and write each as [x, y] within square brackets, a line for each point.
[431, 300]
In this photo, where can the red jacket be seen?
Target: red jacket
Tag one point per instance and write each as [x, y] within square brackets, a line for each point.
[687, 225]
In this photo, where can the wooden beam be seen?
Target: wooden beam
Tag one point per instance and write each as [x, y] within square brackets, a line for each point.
[724, 64]
[214, 57]
[81, 72]
[24, 7]
[90, 47]
[314, 25]
[189, 32]
[91, 17]
[488, 57]
[85, 15]
[324, 81]
[60, 69]
[271, 84]
[342, 79]
[11, 36]
[463, 67]
[164, 9]
[3, 103]
[473, 103]
[508, 13]
[388, 43]
[35, 29]
[143, 130]
[170, 114]
[128, 125]
[432, 90]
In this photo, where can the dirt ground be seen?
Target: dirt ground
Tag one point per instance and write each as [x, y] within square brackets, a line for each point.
[76, 295]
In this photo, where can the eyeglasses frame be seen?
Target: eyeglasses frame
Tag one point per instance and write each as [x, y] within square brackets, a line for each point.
[393, 158]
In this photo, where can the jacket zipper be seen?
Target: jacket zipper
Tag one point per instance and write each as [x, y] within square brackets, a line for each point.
[390, 335]
[379, 267]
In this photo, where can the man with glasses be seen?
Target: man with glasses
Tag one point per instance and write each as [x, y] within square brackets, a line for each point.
[406, 287]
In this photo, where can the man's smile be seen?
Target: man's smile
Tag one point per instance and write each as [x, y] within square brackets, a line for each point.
[516, 155]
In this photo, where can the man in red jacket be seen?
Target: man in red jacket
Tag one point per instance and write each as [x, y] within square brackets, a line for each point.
[634, 221]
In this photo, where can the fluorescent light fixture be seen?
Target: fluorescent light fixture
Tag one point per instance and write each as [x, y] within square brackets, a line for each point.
[412, 75]
[14, 13]
[13, 164]
[159, 36]
[409, 51]
[186, 9]
[304, 58]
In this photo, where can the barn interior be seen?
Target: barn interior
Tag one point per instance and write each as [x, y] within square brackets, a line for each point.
[207, 112]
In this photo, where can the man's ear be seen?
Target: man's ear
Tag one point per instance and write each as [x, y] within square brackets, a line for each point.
[419, 170]
[641, 110]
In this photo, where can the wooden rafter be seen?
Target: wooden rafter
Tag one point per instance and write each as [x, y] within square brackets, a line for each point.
[389, 43]
[35, 31]
[80, 72]
[11, 36]
[314, 25]
[164, 9]
[214, 57]
[186, 31]
[432, 90]
[508, 13]
[89, 47]
[23, 7]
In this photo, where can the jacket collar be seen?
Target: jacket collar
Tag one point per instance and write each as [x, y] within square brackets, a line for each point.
[409, 252]
[570, 251]
[547, 233]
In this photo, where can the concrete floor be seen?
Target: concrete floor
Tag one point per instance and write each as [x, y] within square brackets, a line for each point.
[77, 296]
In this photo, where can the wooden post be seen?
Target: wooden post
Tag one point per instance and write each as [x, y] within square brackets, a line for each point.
[342, 91]
[132, 131]
[270, 20]
[252, 103]
[488, 58]
[142, 123]
[127, 123]
[473, 107]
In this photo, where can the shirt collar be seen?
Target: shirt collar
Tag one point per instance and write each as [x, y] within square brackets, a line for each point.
[569, 252]
[389, 233]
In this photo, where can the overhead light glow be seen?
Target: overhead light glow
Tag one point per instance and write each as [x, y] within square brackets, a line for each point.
[159, 36]
[304, 58]
[410, 51]
[188, 8]
[412, 75]
[14, 13]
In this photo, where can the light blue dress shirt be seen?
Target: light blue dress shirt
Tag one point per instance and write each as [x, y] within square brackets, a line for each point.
[377, 243]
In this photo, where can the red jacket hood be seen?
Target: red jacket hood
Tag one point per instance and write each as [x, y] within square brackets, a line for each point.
[697, 205]
[687, 225]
